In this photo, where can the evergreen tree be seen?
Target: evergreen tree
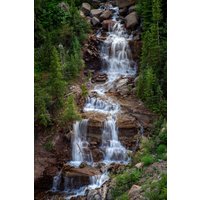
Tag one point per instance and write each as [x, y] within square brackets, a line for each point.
[57, 82]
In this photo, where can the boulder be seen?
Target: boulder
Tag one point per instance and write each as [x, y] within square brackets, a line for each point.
[122, 3]
[107, 24]
[81, 13]
[105, 15]
[86, 7]
[100, 78]
[131, 9]
[95, 21]
[134, 193]
[131, 20]
[96, 12]
[123, 11]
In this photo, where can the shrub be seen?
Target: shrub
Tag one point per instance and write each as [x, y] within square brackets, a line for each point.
[124, 182]
[147, 159]
[158, 189]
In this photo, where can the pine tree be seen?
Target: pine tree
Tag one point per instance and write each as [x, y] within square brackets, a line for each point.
[57, 82]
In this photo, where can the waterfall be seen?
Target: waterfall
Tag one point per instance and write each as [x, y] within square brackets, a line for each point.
[114, 151]
[80, 150]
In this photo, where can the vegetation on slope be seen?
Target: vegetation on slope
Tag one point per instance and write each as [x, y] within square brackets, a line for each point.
[59, 33]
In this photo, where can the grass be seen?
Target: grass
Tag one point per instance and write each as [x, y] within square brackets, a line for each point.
[123, 183]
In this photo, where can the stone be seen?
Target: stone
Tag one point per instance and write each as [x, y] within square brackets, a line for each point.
[139, 165]
[123, 11]
[63, 6]
[81, 13]
[105, 15]
[106, 24]
[134, 192]
[100, 78]
[95, 21]
[86, 7]
[93, 195]
[131, 9]
[122, 3]
[96, 12]
[131, 20]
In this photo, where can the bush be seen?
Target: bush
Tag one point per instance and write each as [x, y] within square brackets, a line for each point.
[147, 160]
[161, 149]
[84, 90]
[124, 182]
[158, 190]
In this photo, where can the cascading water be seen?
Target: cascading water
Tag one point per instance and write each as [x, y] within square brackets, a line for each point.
[116, 56]
[80, 150]
[114, 151]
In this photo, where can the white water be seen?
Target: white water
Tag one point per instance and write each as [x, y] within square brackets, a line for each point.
[80, 150]
[114, 151]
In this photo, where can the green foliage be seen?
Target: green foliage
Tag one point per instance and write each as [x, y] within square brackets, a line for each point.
[56, 80]
[147, 160]
[123, 196]
[84, 90]
[124, 182]
[70, 112]
[56, 67]
[49, 145]
[151, 87]
[157, 190]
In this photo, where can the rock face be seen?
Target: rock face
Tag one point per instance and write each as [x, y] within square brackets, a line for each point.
[122, 3]
[105, 15]
[106, 24]
[86, 7]
[93, 195]
[95, 21]
[134, 193]
[131, 20]
[96, 12]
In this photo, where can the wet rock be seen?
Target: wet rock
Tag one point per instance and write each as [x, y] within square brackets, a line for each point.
[95, 21]
[96, 12]
[122, 3]
[86, 7]
[131, 9]
[134, 193]
[100, 78]
[105, 15]
[131, 20]
[107, 24]
[93, 195]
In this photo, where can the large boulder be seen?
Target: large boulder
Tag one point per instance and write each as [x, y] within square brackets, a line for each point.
[122, 3]
[131, 20]
[106, 24]
[123, 11]
[95, 21]
[96, 12]
[86, 7]
[105, 15]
